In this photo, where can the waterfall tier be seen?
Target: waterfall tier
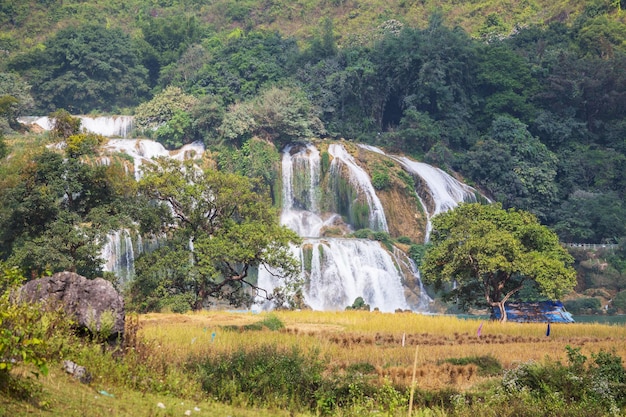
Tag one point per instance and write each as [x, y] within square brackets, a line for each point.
[109, 126]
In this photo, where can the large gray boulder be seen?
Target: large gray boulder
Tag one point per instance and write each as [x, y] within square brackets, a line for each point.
[93, 304]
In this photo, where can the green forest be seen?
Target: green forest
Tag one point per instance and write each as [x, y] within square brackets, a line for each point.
[527, 102]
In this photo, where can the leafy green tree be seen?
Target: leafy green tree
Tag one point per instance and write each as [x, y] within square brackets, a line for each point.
[244, 64]
[602, 37]
[64, 124]
[222, 226]
[280, 115]
[284, 115]
[4, 149]
[84, 68]
[505, 83]
[588, 217]
[177, 131]
[515, 167]
[57, 213]
[256, 158]
[186, 69]
[170, 36]
[169, 114]
[15, 100]
[490, 252]
[67, 244]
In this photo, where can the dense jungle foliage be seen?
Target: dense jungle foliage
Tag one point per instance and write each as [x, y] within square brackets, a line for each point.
[527, 102]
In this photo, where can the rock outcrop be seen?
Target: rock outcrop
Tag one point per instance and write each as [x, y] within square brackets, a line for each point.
[93, 304]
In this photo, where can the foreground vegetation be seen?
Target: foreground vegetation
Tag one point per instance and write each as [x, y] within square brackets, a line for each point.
[333, 363]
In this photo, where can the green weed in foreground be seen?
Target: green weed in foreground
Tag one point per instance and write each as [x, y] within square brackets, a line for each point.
[487, 365]
[267, 376]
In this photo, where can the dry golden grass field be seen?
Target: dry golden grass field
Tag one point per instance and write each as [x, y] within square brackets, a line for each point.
[388, 342]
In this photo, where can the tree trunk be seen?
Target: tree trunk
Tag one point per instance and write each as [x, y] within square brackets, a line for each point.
[503, 316]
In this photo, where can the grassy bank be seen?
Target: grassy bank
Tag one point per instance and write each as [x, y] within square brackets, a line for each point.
[328, 363]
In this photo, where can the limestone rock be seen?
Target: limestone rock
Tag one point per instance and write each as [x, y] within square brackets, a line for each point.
[85, 300]
[77, 371]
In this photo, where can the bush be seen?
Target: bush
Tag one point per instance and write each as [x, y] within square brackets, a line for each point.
[381, 180]
[586, 305]
[359, 304]
[272, 322]
[487, 365]
[363, 234]
[600, 382]
[416, 252]
[619, 301]
[405, 240]
[29, 334]
[266, 376]
[178, 303]
[21, 335]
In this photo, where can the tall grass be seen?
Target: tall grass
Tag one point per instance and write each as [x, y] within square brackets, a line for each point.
[348, 338]
[357, 363]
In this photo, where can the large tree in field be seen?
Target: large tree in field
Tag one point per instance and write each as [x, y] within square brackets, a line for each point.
[491, 253]
[222, 225]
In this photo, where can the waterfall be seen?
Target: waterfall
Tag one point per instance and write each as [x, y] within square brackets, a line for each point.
[445, 191]
[439, 191]
[408, 264]
[110, 126]
[344, 269]
[113, 126]
[144, 150]
[336, 270]
[360, 180]
[301, 214]
[119, 255]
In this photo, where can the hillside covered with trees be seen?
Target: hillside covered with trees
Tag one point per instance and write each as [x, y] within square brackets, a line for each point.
[527, 101]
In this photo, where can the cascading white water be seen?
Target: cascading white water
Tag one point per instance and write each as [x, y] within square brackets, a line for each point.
[144, 150]
[119, 255]
[301, 215]
[113, 126]
[361, 182]
[339, 270]
[110, 126]
[344, 269]
[407, 263]
[445, 191]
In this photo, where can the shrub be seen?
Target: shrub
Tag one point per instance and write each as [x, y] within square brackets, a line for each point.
[416, 252]
[83, 144]
[178, 303]
[585, 305]
[381, 180]
[272, 322]
[619, 301]
[265, 376]
[405, 240]
[359, 304]
[363, 234]
[600, 382]
[21, 336]
[487, 365]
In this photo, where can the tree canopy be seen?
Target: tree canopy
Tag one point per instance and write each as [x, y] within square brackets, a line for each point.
[84, 68]
[221, 227]
[490, 253]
